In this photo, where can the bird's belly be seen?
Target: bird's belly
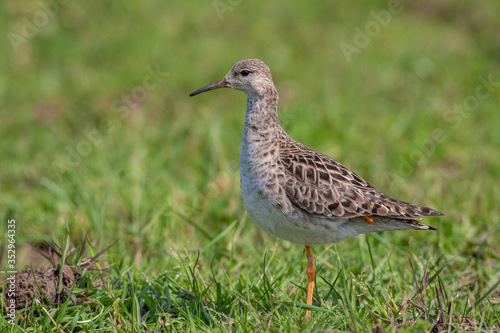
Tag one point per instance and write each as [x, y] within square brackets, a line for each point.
[297, 227]
[274, 213]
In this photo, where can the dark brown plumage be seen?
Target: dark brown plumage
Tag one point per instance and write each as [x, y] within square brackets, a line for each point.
[322, 186]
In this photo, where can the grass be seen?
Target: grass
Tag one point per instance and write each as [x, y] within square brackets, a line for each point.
[159, 171]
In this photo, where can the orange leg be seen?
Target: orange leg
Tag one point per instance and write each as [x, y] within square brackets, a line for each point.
[368, 219]
[311, 271]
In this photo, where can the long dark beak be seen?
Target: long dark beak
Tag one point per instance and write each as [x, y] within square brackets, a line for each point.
[216, 85]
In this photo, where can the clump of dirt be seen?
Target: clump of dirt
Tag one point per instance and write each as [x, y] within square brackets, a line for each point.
[47, 278]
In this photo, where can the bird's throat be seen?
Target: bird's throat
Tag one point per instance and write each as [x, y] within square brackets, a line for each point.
[261, 133]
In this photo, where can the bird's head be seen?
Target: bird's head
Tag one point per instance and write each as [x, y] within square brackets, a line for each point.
[251, 76]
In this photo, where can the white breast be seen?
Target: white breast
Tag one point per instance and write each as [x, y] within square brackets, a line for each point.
[295, 226]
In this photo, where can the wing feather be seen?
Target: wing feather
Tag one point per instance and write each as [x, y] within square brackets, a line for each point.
[322, 186]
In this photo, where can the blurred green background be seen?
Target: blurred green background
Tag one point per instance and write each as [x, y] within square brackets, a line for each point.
[88, 136]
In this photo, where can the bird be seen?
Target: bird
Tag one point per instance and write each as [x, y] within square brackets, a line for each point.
[297, 193]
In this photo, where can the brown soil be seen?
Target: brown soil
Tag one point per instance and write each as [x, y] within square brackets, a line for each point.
[47, 278]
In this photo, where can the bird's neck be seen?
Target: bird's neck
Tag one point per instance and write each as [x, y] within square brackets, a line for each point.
[262, 134]
[261, 119]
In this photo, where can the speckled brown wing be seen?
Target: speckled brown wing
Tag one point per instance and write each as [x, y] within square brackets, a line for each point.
[321, 186]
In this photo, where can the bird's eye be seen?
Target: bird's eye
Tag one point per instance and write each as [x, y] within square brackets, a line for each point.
[245, 72]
